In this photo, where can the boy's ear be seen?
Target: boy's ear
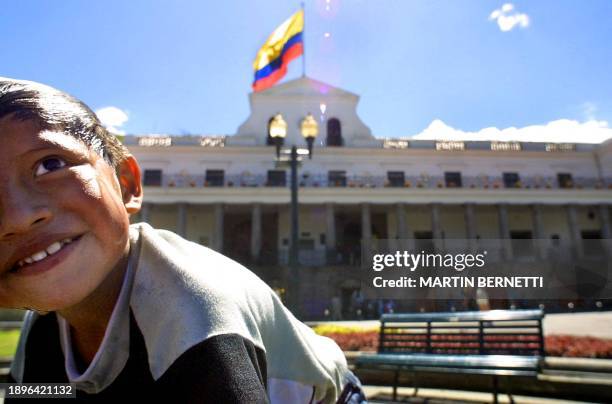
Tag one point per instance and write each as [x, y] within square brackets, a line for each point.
[128, 173]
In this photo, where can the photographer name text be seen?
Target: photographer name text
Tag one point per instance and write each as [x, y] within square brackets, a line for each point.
[460, 282]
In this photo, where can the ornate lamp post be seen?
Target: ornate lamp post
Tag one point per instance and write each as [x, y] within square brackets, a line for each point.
[310, 130]
[278, 131]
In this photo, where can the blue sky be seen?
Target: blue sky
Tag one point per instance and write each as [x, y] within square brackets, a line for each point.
[422, 67]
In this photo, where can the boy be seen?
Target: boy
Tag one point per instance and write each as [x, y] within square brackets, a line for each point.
[124, 309]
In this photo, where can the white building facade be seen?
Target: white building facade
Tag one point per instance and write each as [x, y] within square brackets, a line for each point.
[227, 192]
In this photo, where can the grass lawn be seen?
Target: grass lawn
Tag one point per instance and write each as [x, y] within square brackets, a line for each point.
[8, 342]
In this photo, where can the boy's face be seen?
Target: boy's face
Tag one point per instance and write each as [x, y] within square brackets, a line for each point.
[63, 217]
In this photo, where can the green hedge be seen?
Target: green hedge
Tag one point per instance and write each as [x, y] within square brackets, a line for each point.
[8, 342]
[11, 315]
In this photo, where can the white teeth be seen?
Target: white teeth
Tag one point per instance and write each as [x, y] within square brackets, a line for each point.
[39, 255]
[53, 248]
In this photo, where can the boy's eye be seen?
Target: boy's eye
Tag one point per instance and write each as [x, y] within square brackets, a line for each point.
[49, 164]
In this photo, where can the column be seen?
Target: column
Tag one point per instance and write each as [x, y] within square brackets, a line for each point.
[366, 230]
[538, 231]
[504, 230]
[470, 226]
[218, 236]
[436, 229]
[574, 229]
[402, 224]
[256, 231]
[330, 227]
[403, 231]
[181, 224]
[604, 216]
[606, 232]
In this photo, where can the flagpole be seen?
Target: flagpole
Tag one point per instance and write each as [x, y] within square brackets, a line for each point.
[304, 43]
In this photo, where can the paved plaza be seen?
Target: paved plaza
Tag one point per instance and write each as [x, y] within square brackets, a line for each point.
[382, 394]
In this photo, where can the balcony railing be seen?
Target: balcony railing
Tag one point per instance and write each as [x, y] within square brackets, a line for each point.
[320, 258]
[517, 251]
[380, 181]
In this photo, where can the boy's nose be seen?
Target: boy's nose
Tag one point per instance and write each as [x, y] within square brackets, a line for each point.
[20, 213]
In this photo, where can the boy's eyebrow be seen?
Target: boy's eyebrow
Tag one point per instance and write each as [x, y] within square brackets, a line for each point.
[50, 147]
[54, 144]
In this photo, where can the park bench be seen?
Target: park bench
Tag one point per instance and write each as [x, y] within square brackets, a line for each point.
[499, 343]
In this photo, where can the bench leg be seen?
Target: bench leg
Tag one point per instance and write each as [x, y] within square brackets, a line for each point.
[508, 391]
[395, 382]
[415, 382]
[495, 388]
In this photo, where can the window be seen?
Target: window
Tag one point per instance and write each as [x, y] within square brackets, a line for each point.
[396, 178]
[556, 240]
[334, 132]
[336, 178]
[520, 235]
[592, 245]
[276, 178]
[215, 178]
[452, 179]
[424, 241]
[306, 244]
[565, 180]
[511, 180]
[152, 178]
[522, 243]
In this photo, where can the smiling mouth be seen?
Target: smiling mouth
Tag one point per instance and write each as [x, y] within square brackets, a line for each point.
[44, 255]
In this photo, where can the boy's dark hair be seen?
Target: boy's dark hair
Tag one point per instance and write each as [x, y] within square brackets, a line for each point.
[52, 109]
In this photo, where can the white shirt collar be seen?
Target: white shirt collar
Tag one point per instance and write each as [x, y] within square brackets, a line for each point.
[113, 352]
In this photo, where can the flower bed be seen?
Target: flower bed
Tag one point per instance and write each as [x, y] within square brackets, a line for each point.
[582, 347]
[356, 339]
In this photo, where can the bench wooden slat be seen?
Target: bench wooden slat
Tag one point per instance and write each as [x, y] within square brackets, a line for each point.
[492, 372]
[491, 315]
[461, 361]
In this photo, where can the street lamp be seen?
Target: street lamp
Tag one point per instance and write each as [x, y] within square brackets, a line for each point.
[278, 131]
[310, 130]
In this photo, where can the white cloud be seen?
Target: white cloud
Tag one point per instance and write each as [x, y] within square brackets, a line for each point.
[589, 109]
[560, 131]
[112, 118]
[507, 19]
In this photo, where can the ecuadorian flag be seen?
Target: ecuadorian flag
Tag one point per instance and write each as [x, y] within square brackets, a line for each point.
[283, 45]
